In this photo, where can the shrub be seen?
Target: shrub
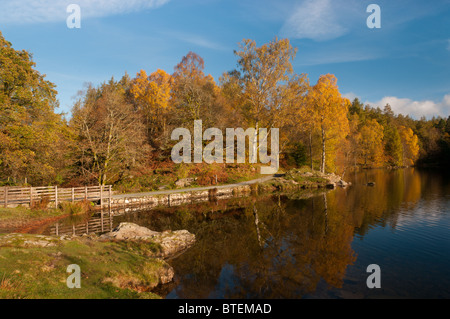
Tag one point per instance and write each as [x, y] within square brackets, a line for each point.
[75, 208]
[41, 204]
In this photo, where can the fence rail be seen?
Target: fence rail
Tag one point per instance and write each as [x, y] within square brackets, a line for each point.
[29, 195]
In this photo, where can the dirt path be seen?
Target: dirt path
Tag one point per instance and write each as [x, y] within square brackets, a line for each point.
[193, 189]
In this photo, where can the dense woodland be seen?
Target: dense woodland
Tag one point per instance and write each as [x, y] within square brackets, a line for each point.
[120, 131]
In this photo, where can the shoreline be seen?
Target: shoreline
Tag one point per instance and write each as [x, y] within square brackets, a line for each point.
[291, 181]
[150, 248]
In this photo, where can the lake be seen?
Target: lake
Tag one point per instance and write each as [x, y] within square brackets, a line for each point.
[286, 246]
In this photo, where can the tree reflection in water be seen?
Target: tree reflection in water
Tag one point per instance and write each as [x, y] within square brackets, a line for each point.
[259, 247]
[278, 246]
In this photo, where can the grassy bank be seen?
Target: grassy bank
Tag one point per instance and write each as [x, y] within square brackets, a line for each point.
[108, 269]
[202, 174]
[296, 180]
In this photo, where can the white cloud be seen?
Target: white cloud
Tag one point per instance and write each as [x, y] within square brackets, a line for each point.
[36, 11]
[337, 56]
[195, 39]
[316, 19]
[350, 95]
[416, 109]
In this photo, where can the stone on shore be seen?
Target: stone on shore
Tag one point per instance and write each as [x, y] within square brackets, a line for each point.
[171, 242]
[184, 182]
[335, 180]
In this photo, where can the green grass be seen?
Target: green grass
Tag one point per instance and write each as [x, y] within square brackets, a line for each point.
[298, 175]
[108, 269]
[26, 213]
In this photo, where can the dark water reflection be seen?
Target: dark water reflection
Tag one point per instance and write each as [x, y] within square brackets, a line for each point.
[282, 247]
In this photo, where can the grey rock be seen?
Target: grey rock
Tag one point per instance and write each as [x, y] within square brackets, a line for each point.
[130, 231]
[171, 242]
[342, 183]
[166, 274]
[184, 182]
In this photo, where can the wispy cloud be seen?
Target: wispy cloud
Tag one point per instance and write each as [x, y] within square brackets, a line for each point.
[316, 19]
[322, 20]
[448, 45]
[195, 39]
[416, 109]
[38, 11]
[334, 57]
[350, 95]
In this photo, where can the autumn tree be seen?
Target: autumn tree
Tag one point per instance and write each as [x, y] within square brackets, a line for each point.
[30, 130]
[153, 95]
[111, 135]
[430, 141]
[370, 144]
[290, 116]
[410, 145]
[349, 152]
[328, 111]
[234, 101]
[264, 74]
[195, 93]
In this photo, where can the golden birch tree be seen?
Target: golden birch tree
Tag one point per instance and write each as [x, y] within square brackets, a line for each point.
[328, 110]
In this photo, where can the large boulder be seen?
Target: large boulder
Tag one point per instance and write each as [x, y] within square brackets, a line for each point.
[131, 231]
[171, 242]
[335, 180]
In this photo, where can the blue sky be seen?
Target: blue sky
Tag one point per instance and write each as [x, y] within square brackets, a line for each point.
[405, 63]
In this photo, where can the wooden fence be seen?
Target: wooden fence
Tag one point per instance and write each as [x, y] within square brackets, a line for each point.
[28, 195]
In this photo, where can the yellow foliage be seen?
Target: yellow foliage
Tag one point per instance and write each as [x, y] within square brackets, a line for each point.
[153, 90]
[410, 143]
[154, 94]
[327, 111]
[371, 145]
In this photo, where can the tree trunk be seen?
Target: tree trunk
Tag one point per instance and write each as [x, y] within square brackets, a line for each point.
[322, 168]
[255, 214]
[326, 213]
[310, 150]
[255, 145]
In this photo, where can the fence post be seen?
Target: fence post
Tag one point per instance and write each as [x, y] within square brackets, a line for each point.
[110, 196]
[73, 194]
[31, 196]
[85, 193]
[101, 195]
[6, 196]
[101, 218]
[56, 197]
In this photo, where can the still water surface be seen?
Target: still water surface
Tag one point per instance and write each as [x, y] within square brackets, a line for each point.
[281, 247]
